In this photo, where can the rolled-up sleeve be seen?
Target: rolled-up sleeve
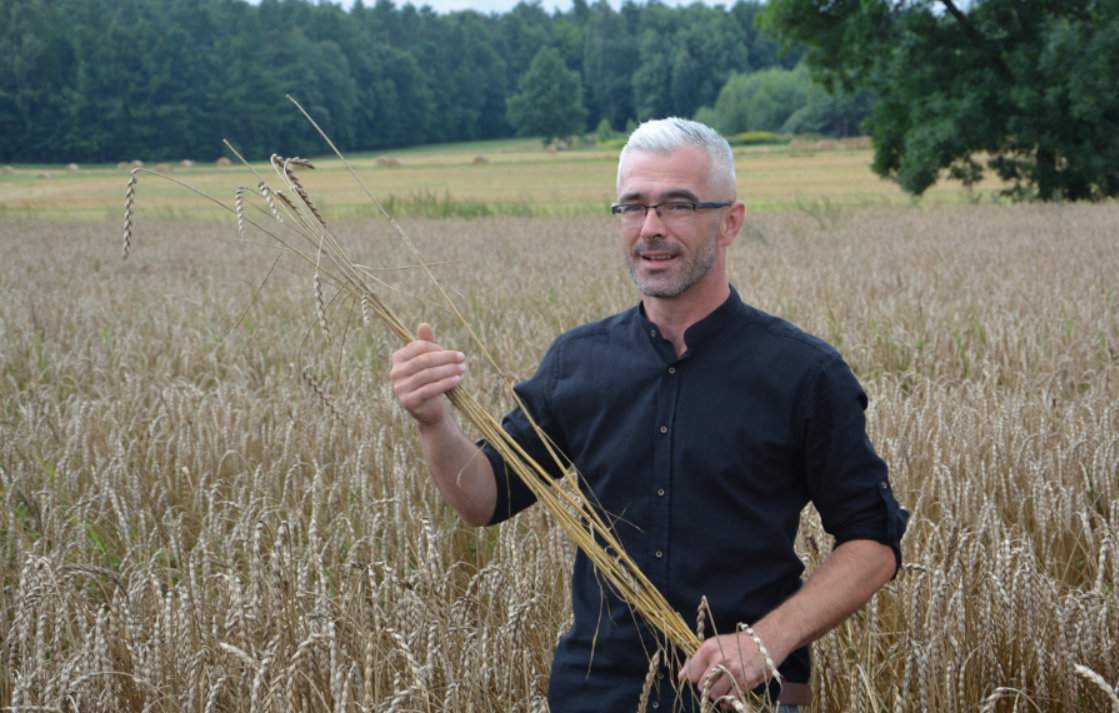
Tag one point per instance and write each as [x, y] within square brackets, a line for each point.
[512, 493]
[847, 481]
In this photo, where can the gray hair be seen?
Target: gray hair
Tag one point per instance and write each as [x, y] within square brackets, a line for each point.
[663, 136]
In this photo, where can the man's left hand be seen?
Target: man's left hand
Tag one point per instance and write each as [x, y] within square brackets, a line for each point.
[738, 654]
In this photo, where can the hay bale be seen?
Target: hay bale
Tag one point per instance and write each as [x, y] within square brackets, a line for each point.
[164, 168]
[136, 163]
[123, 166]
[388, 162]
[186, 163]
[7, 170]
[480, 161]
[43, 175]
[73, 167]
[223, 161]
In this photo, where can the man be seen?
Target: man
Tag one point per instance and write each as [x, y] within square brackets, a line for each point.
[702, 426]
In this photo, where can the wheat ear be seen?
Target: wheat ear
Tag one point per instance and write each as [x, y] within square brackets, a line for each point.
[129, 207]
[266, 194]
[320, 305]
[365, 310]
[316, 386]
[1100, 683]
[702, 612]
[296, 186]
[239, 209]
[647, 686]
[771, 668]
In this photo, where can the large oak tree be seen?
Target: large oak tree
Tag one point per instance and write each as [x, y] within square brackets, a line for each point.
[1026, 88]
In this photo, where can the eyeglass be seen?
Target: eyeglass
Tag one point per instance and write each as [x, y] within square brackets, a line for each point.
[668, 211]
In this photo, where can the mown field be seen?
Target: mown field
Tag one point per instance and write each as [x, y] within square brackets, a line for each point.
[211, 505]
[508, 178]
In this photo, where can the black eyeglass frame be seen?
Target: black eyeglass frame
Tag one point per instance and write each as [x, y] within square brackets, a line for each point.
[616, 208]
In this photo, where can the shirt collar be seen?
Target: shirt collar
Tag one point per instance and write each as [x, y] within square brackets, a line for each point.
[726, 314]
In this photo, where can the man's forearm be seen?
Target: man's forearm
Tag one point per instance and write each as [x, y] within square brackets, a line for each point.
[850, 575]
[844, 582]
[461, 471]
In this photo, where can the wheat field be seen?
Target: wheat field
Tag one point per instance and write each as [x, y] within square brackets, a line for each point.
[211, 505]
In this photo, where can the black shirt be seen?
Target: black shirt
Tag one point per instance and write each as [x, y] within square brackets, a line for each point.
[704, 463]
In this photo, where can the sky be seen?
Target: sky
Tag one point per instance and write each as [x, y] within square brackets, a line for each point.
[487, 6]
[504, 5]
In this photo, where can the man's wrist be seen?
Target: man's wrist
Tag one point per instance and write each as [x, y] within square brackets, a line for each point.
[775, 638]
[433, 427]
[771, 671]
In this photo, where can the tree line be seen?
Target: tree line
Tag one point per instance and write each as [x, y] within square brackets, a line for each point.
[109, 80]
[1025, 89]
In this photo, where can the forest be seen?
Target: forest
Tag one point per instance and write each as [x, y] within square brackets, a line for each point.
[110, 80]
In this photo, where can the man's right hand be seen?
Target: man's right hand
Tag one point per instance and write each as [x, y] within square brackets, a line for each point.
[422, 372]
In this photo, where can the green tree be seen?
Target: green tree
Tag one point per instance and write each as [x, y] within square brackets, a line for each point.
[765, 51]
[709, 48]
[35, 70]
[787, 101]
[1030, 84]
[472, 78]
[833, 114]
[657, 47]
[524, 30]
[761, 101]
[609, 60]
[550, 103]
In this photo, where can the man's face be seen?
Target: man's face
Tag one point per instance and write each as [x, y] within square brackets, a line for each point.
[668, 255]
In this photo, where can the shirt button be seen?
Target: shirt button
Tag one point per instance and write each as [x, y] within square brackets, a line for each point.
[664, 429]
[671, 370]
[652, 332]
[659, 554]
[660, 492]
[656, 704]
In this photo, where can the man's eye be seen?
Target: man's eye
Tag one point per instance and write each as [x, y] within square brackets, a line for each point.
[678, 207]
[632, 208]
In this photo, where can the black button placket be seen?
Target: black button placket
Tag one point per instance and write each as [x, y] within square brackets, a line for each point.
[660, 485]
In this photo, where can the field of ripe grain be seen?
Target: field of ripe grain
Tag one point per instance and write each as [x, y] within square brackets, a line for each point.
[190, 523]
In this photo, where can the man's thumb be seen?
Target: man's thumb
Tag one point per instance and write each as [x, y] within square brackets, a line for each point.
[425, 332]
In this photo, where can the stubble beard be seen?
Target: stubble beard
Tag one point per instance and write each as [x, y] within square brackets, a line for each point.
[690, 272]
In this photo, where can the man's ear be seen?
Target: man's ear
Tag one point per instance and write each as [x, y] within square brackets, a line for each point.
[732, 223]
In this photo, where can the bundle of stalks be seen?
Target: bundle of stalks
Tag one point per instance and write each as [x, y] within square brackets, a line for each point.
[308, 236]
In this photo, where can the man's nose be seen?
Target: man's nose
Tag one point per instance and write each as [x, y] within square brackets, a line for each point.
[652, 223]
